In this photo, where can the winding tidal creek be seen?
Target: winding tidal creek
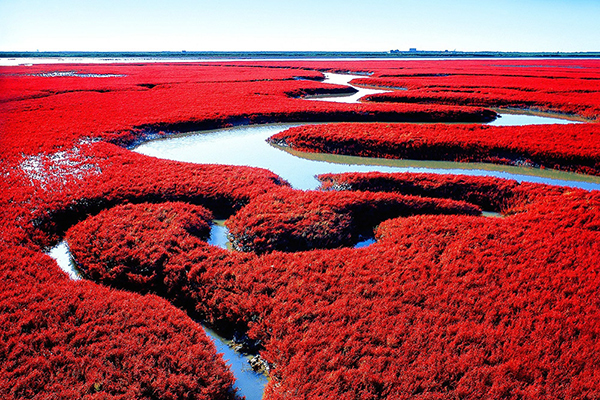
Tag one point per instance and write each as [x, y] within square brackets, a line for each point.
[247, 146]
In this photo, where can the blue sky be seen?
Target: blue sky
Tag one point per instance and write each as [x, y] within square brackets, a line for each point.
[278, 25]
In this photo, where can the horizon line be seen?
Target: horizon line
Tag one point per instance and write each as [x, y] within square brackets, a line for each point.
[413, 52]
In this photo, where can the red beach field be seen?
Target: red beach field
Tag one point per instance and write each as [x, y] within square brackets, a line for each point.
[448, 302]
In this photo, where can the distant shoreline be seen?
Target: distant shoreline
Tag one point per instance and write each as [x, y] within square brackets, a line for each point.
[252, 55]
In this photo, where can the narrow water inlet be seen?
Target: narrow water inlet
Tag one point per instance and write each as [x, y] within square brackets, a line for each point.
[515, 119]
[249, 383]
[219, 234]
[365, 243]
[62, 255]
[342, 79]
[512, 117]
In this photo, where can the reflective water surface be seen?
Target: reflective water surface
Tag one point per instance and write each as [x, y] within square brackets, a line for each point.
[342, 79]
[246, 145]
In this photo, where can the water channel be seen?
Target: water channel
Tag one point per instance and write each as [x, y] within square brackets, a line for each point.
[249, 382]
[247, 146]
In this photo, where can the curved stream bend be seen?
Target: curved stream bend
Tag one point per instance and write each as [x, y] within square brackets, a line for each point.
[247, 146]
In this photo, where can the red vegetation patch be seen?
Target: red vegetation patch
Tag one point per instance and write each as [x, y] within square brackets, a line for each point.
[568, 91]
[491, 194]
[125, 246]
[554, 85]
[289, 220]
[567, 147]
[472, 306]
[440, 306]
[125, 177]
[42, 114]
[443, 306]
[64, 339]
[541, 204]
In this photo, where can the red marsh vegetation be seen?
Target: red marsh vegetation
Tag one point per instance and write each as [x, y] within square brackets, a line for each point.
[446, 302]
[573, 147]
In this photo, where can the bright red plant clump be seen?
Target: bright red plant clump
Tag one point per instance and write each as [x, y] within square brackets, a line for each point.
[290, 221]
[483, 293]
[129, 177]
[138, 99]
[64, 339]
[566, 147]
[490, 194]
[130, 228]
[446, 302]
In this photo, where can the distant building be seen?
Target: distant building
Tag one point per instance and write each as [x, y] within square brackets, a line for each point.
[411, 50]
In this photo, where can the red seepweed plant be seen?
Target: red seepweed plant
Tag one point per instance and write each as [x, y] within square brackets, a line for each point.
[445, 303]
[572, 148]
